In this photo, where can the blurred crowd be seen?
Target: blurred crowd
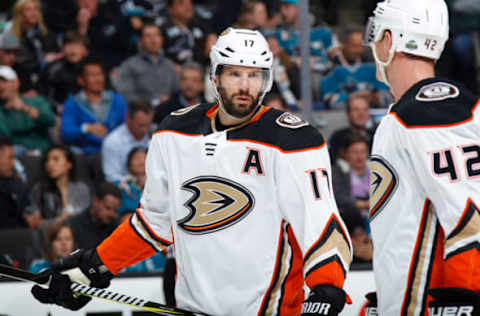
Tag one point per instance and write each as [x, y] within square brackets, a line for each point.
[85, 83]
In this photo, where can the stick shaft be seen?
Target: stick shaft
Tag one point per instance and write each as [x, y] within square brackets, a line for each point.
[81, 289]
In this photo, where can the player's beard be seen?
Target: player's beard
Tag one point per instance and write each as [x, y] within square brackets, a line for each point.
[236, 110]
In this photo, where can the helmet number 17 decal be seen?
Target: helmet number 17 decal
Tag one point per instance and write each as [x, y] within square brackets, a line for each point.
[249, 43]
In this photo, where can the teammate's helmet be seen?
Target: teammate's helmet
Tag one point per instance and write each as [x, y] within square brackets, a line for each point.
[418, 27]
[242, 47]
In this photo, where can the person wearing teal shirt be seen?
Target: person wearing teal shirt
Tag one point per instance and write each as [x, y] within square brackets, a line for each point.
[25, 120]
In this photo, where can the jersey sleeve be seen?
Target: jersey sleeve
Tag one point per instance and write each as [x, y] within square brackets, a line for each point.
[148, 230]
[446, 163]
[307, 203]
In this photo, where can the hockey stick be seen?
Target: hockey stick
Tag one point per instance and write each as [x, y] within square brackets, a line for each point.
[81, 289]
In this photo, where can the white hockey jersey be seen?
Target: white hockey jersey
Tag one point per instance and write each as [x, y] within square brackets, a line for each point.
[425, 196]
[250, 211]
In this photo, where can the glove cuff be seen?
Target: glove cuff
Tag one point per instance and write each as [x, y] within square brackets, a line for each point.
[335, 295]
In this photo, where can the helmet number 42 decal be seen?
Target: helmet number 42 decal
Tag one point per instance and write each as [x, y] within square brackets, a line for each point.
[430, 44]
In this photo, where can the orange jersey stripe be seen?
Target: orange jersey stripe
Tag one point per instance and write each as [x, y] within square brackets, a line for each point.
[330, 273]
[462, 267]
[330, 270]
[293, 287]
[463, 270]
[123, 248]
[175, 132]
[259, 114]
[211, 111]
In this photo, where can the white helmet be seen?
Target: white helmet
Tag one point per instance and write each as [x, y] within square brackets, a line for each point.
[242, 47]
[418, 27]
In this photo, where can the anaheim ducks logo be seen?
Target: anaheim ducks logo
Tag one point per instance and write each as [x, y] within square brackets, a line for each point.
[437, 91]
[383, 183]
[290, 120]
[216, 204]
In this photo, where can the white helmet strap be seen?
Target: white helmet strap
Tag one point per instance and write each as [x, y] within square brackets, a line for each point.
[383, 64]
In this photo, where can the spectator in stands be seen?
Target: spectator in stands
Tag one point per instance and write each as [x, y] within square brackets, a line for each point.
[323, 44]
[133, 183]
[109, 31]
[37, 45]
[14, 194]
[351, 185]
[9, 46]
[59, 16]
[462, 62]
[58, 195]
[361, 241]
[184, 37]
[253, 15]
[148, 75]
[191, 91]
[93, 225]
[24, 119]
[352, 52]
[274, 100]
[286, 74]
[359, 123]
[133, 133]
[209, 90]
[60, 243]
[59, 78]
[353, 75]
[93, 112]
[351, 181]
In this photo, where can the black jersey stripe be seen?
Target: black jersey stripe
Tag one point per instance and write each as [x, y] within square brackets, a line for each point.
[418, 259]
[135, 229]
[151, 234]
[275, 292]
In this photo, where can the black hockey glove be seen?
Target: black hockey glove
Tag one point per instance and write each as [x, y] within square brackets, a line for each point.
[82, 266]
[454, 301]
[324, 300]
[371, 306]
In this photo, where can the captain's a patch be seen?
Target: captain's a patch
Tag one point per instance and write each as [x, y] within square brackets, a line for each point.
[290, 120]
[437, 91]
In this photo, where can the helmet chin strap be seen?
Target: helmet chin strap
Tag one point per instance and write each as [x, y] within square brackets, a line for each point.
[382, 65]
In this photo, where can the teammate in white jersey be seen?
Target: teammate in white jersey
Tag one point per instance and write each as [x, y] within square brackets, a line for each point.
[425, 164]
[244, 193]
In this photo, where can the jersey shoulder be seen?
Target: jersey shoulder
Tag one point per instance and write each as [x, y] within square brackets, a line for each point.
[189, 120]
[283, 130]
[435, 103]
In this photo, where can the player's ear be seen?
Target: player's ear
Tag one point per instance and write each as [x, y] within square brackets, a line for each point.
[387, 40]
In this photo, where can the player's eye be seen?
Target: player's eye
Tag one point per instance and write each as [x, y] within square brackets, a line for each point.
[254, 74]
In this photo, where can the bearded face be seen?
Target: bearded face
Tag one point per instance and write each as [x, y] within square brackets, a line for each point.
[240, 89]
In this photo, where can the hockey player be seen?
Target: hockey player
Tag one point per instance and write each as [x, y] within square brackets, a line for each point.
[425, 164]
[244, 191]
